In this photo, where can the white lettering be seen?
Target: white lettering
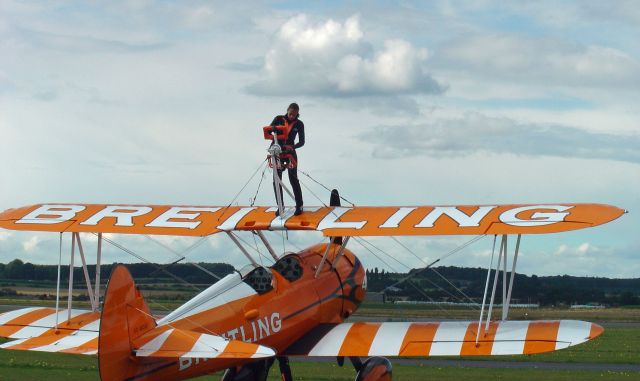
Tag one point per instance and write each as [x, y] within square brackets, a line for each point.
[263, 326]
[397, 217]
[267, 326]
[276, 323]
[123, 214]
[232, 334]
[51, 214]
[231, 222]
[244, 338]
[179, 212]
[458, 216]
[510, 217]
[331, 220]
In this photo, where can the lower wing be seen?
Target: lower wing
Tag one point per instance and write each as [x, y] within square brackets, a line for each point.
[42, 329]
[455, 338]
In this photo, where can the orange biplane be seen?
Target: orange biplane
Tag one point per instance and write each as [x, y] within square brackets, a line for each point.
[296, 307]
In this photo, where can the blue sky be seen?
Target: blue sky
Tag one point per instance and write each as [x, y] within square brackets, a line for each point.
[436, 102]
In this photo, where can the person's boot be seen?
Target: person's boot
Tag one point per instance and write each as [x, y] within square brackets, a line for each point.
[298, 211]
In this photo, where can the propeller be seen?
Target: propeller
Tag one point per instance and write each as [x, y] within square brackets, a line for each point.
[334, 200]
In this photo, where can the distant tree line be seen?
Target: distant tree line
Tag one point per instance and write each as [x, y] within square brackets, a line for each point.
[18, 270]
[437, 284]
[430, 285]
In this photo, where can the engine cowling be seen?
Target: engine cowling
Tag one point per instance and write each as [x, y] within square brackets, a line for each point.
[375, 369]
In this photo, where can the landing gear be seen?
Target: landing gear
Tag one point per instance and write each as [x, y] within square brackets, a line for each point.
[375, 369]
[258, 371]
[372, 369]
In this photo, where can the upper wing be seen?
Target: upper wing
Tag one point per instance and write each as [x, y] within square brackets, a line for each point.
[456, 338]
[35, 330]
[332, 221]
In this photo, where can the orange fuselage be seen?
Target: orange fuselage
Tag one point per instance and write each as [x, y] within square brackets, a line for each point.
[275, 317]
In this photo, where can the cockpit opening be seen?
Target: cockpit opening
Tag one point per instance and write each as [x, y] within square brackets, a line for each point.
[289, 267]
[259, 278]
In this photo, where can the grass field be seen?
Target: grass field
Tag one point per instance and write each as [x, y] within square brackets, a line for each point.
[71, 368]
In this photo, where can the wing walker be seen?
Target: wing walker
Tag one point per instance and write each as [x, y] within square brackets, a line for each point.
[298, 306]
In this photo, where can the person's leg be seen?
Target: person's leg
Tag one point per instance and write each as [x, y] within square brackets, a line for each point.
[295, 186]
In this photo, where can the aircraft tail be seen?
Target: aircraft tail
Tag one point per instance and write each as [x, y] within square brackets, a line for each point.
[125, 317]
[132, 345]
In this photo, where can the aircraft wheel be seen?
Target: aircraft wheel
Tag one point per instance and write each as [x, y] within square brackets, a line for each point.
[257, 371]
[375, 369]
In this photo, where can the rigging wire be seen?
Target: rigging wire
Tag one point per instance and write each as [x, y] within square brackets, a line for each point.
[255, 243]
[358, 239]
[434, 270]
[143, 259]
[322, 185]
[184, 254]
[430, 265]
[454, 286]
[241, 190]
[253, 201]
[260, 255]
[409, 250]
[385, 253]
[434, 284]
[291, 242]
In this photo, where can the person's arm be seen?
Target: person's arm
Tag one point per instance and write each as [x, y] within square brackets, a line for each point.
[275, 121]
[300, 142]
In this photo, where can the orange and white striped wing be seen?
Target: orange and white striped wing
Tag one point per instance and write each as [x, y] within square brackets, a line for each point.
[166, 342]
[443, 339]
[35, 330]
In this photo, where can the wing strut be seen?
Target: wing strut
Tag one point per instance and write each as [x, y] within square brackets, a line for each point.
[73, 254]
[505, 309]
[506, 293]
[244, 251]
[58, 282]
[98, 266]
[266, 244]
[94, 295]
[486, 288]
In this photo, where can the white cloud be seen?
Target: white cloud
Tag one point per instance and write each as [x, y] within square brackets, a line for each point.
[336, 59]
[584, 249]
[31, 244]
[4, 236]
[476, 132]
[533, 59]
